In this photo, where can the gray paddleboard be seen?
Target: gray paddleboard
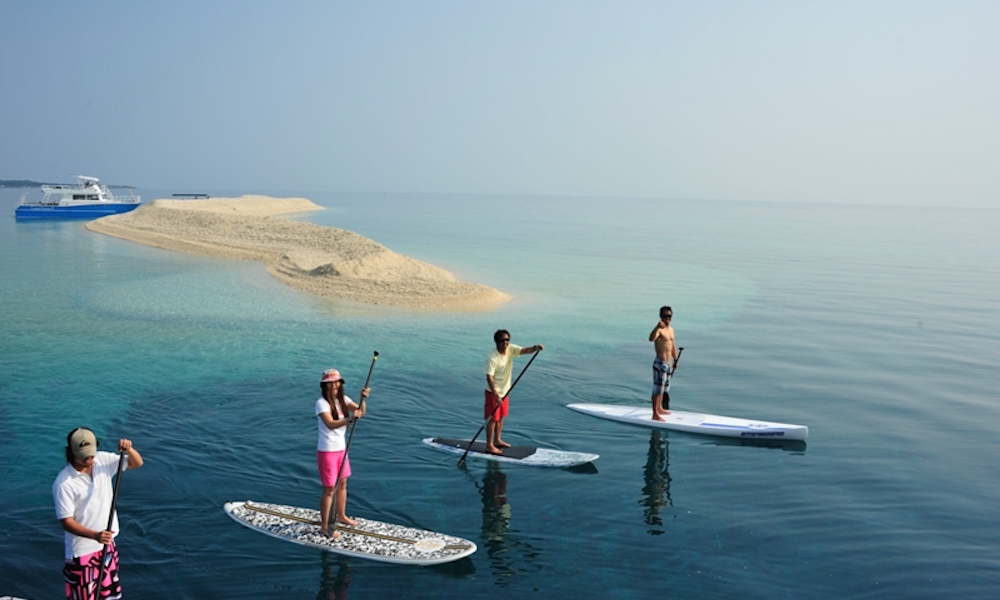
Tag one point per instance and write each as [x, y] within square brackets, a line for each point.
[372, 540]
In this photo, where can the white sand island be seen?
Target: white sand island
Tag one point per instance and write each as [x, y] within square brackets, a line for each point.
[325, 261]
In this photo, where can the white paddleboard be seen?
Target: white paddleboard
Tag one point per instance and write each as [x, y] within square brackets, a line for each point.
[515, 455]
[369, 539]
[696, 422]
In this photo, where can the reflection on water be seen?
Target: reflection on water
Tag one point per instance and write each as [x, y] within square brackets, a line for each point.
[336, 577]
[496, 508]
[656, 492]
[794, 446]
[508, 554]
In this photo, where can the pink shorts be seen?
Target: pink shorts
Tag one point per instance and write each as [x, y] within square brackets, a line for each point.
[81, 573]
[490, 406]
[329, 466]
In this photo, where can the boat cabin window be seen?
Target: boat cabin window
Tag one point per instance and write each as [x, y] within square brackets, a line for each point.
[78, 196]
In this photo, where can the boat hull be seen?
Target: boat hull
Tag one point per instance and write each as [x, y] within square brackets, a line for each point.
[83, 211]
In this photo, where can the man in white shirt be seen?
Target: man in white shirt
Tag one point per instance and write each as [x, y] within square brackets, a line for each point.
[83, 493]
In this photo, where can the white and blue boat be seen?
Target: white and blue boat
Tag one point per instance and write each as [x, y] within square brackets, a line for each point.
[88, 199]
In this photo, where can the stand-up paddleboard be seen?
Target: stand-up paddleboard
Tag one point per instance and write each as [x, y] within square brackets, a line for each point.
[515, 455]
[696, 422]
[373, 540]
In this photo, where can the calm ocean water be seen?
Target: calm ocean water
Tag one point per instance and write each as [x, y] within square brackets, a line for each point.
[876, 327]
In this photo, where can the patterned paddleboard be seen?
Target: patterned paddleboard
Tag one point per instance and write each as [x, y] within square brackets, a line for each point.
[369, 539]
[517, 455]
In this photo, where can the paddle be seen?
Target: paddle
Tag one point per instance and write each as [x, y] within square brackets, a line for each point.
[354, 421]
[111, 520]
[462, 460]
[672, 369]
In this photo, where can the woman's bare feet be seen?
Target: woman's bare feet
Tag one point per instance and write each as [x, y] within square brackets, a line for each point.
[503, 444]
[332, 536]
[346, 520]
[494, 450]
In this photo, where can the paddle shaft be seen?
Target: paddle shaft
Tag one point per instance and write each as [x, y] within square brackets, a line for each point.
[111, 521]
[462, 460]
[354, 421]
[673, 368]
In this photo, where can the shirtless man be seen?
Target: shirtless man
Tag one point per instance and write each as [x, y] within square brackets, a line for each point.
[662, 337]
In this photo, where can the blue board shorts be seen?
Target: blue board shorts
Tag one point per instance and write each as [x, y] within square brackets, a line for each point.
[661, 377]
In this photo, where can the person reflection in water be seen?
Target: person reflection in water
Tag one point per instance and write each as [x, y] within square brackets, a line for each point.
[656, 492]
[336, 578]
[496, 510]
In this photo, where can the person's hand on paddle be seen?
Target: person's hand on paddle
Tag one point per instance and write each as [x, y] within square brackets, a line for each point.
[360, 412]
[104, 537]
[125, 447]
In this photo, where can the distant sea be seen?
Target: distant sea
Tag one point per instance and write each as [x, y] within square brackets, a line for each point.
[875, 326]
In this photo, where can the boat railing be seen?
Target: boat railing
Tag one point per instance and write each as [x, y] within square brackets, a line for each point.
[131, 198]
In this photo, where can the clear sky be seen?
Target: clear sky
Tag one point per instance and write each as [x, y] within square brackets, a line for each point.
[846, 102]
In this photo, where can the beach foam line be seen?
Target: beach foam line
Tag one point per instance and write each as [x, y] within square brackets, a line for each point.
[324, 261]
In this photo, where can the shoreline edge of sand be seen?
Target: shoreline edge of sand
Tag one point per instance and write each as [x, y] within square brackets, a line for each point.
[323, 261]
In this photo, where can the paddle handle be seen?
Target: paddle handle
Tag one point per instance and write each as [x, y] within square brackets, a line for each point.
[369, 378]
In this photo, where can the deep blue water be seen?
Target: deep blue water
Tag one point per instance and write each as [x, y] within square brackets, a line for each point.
[875, 326]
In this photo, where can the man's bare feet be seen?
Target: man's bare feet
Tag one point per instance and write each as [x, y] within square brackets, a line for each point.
[346, 520]
[494, 450]
[503, 444]
[657, 418]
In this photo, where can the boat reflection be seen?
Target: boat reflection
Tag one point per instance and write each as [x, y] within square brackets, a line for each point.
[656, 491]
[336, 578]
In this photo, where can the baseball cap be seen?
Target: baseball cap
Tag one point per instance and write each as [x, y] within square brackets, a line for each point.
[83, 443]
[331, 375]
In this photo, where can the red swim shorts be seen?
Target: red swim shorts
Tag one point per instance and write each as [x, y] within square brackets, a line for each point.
[490, 406]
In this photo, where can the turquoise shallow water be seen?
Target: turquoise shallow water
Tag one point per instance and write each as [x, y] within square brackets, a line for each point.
[876, 327]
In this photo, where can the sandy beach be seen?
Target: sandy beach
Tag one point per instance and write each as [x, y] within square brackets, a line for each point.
[325, 261]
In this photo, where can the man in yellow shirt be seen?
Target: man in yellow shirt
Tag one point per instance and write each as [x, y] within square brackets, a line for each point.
[499, 368]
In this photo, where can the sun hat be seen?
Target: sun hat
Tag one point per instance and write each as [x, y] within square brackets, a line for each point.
[331, 375]
[83, 442]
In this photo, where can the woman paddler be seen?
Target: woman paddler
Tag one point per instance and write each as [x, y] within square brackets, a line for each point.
[333, 414]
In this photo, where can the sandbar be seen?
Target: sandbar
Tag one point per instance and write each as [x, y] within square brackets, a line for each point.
[324, 261]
